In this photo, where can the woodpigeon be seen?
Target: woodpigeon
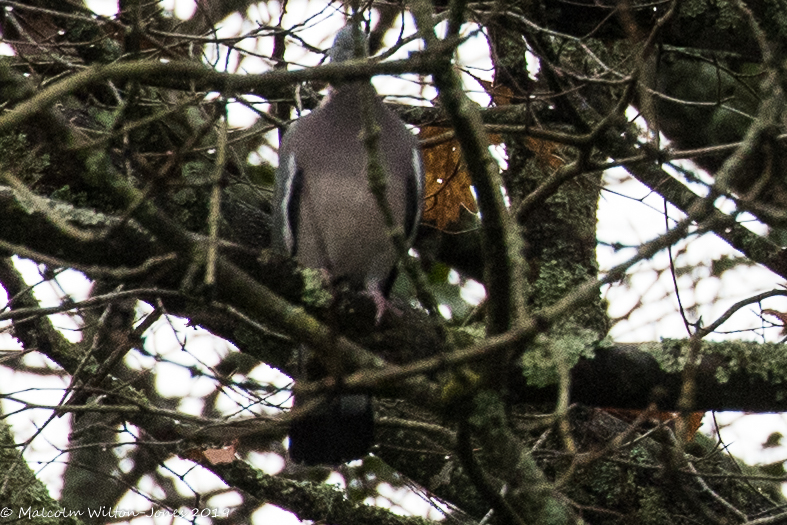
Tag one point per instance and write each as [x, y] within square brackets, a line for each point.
[326, 217]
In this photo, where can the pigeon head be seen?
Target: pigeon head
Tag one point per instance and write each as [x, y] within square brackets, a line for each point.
[344, 45]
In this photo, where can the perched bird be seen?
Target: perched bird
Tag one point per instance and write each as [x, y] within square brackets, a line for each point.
[325, 216]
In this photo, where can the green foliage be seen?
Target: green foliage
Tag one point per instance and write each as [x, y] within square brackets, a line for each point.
[465, 380]
[315, 290]
[101, 48]
[726, 262]
[198, 172]
[724, 12]
[562, 347]
[103, 117]
[622, 487]
[262, 175]
[447, 293]
[776, 24]
[21, 159]
[555, 280]
[755, 359]
[778, 235]
[465, 336]
[726, 15]
[362, 480]
[461, 384]
[635, 484]
[21, 487]
[79, 199]
[709, 81]
[191, 201]
[489, 411]
[97, 163]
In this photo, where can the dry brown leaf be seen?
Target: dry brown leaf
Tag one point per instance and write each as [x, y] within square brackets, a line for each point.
[501, 95]
[547, 153]
[193, 454]
[447, 182]
[780, 315]
[693, 422]
[216, 456]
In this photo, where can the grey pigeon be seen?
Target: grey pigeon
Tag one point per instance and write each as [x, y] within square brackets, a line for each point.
[326, 217]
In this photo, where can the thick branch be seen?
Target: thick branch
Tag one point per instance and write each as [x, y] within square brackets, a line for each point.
[622, 377]
[194, 76]
[731, 376]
